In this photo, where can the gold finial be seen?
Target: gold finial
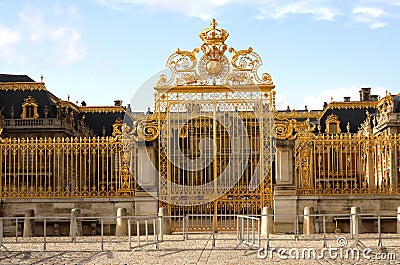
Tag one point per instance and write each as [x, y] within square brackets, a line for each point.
[213, 40]
[213, 23]
[213, 35]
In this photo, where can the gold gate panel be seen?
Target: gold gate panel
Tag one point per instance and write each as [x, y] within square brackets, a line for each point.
[64, 167]
[347, 164]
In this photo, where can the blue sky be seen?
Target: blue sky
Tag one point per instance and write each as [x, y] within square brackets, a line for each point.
[102, 50]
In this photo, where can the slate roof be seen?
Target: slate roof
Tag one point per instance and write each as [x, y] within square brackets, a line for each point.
[96, 121]
[15, 98]
[396, 104]
[354, 116]
[15, 78]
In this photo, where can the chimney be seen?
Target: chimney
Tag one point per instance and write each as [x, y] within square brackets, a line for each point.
[365, 94]
[346, 99]
[118, 102]
[374, 97]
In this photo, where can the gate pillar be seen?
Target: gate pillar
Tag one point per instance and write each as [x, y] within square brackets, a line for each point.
[285, 197]
[146, 202]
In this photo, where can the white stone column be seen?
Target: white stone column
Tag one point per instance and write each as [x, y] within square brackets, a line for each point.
[29, 223]
[309, 221]
[398, 220]
[355, 221]
[122, 223]
[75, 226]
[163, 224]
[267, 221]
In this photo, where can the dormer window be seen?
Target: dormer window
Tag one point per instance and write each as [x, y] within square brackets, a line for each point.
[29, 109]
[332, 124]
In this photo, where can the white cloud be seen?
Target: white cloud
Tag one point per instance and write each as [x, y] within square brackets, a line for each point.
[316, 102]
[281, 101]
[369, 11]
[69, 48]
[303, 8]
[374, 17]
[370, 16]
[207, 9]
[32, 24]
[33, 29]
[8, 40]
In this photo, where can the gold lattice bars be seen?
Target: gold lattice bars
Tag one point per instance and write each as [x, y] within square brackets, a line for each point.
[347, 164]
[64, 167]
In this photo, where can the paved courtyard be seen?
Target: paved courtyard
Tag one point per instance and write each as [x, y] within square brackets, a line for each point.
[283, 249]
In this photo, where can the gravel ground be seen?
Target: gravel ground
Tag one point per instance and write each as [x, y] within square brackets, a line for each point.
[198, 249]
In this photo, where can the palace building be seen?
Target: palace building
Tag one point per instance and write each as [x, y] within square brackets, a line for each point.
[215, 145]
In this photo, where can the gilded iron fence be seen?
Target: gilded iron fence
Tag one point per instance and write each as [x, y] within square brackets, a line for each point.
[347, 164]
[65, 167]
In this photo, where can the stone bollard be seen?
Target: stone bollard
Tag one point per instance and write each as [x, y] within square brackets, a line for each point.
[75, 226]
[29, 223]
[1, 233]
[355, 221]
[398, 220]
[122, 223]
[267, 223]
[309, 221]
[163, 224]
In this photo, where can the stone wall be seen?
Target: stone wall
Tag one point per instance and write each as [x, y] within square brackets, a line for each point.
[62, 208]
[383, 204]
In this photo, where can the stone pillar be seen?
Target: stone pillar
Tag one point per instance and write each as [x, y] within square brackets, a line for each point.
[398, 220]
[267, 221]
[146, 171]
[355, 221]
[309, 221]
[163, 224]
[75, 226]
[285, 194]
[146, 202]
[122, 223]
[29, 223]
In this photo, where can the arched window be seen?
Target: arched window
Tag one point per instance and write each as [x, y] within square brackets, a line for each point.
[29, 109]
[332, 124]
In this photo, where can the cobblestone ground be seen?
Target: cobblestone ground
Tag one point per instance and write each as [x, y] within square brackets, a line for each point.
[283, 249]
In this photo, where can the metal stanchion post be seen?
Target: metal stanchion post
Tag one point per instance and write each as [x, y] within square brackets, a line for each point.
[129, 233]
[44, 234]
[183, 227]
[248, 231]
[102, 233]
[147, 230]
[259, 233]
[155, 224]
[380, 243]
[237, 227]
[253, 228]
[138, 232]
[213, 233]
[324, 227]
[16, 230]
[187, 227]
